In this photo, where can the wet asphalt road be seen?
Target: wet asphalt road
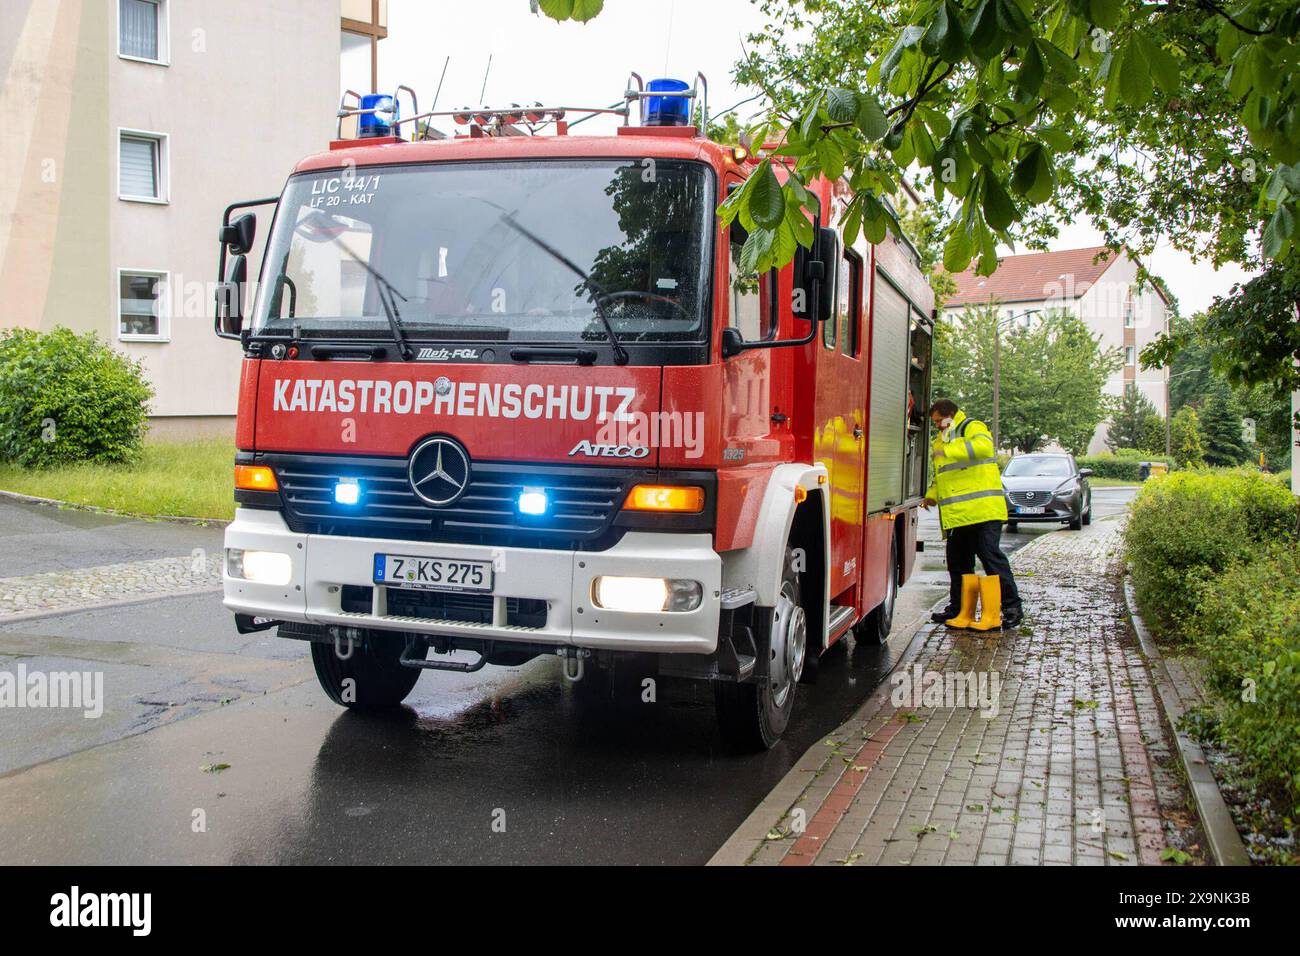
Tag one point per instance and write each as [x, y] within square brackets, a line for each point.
[503, 766]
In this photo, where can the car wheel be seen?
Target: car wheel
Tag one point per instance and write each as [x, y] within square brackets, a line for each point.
[1076, 522]
[1012, 527]
[1087, 515]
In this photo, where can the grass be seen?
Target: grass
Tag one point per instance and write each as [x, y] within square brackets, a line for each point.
[190, 479]
[1112, 483]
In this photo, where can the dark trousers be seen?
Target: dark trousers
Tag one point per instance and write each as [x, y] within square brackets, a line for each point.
[979, 540]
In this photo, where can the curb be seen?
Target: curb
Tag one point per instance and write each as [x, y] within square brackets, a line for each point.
[96, 509]
[1224, 842]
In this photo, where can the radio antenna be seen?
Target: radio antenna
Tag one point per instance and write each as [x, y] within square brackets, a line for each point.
[438, 93]
[483, 92]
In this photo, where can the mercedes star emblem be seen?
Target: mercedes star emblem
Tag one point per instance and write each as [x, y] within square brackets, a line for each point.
[439, 471]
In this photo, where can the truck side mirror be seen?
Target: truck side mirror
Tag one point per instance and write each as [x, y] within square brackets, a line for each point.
[239, 234]
[230, 298]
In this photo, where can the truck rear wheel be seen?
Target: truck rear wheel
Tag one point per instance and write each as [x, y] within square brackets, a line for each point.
[754, 715]
[875, 627]
[371, 678]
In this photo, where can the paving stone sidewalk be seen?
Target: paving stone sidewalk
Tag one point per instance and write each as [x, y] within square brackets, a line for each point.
[1075, 764]
[52, 591]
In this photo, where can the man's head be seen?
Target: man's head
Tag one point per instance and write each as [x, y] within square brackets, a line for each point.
[942, 412]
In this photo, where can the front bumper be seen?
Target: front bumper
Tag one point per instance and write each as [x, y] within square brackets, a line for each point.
[324, 564]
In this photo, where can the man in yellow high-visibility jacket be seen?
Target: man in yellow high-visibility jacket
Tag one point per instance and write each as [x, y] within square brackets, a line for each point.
[967, 487]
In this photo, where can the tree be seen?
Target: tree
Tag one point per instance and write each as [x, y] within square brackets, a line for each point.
[1052, 376]
[1188, 449]
[1135, 422]
[1221, 428]
[1174, 120]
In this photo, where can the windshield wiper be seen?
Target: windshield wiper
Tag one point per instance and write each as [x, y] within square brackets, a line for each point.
[621, 356]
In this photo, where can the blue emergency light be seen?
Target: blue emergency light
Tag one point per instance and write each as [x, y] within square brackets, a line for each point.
[667, 110]
[377, 123]
[347, 491]
[533, 501]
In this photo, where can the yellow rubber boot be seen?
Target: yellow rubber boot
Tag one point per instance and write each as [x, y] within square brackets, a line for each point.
[990, 604]
[970, 592]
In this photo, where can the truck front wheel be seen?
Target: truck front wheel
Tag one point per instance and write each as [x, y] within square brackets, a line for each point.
[754, 715]
[370, 678]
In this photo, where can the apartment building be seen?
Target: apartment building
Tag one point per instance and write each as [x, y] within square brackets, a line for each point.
[1099, 286]
[129, 126]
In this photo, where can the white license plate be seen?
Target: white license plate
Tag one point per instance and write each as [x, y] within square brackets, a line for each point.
[435, 574]
[1031, 511]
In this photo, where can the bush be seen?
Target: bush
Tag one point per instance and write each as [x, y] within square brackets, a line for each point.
[1191, 525]
[1247, 628]
[66, 398]
[1123, 465]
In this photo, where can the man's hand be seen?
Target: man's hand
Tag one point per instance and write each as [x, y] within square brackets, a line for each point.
[928, 503]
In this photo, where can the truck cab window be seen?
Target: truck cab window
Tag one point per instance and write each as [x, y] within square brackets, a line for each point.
[848, 302]
[752, 300]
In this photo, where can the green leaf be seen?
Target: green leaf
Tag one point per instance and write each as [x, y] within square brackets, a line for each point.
[871, 118]
[841, 105]
[1058, 63]
[958, 250]
[1135, 76]
[1033, 177]
[1012, 20]
[756, 246]
[986, 36]
[1163, 66]
[766, 204]
[830, 157]
[1278, 231]
[580, 10]
[1104, 13]
[936, 35]
[999, 211]
[1030, 77]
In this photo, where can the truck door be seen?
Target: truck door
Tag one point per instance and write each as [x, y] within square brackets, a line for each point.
[841, 421]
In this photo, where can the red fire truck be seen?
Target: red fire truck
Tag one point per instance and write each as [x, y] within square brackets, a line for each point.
[508, 392]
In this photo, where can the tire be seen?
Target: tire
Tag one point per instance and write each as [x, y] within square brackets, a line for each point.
[1076, 523]
[1012, 527]
[1087, 515]
[875, 627]
[379, 681]
[753, 716]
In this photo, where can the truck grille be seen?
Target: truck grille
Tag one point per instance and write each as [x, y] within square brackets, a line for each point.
[584, 502]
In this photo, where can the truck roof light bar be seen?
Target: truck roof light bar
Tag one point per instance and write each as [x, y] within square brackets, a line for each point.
[662, 102]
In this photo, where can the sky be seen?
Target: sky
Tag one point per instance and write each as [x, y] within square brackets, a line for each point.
[570, 64]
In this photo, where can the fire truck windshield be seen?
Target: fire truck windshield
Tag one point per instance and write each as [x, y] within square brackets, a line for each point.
[445, 241]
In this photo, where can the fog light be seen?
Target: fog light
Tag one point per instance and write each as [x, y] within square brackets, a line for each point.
[646, 595]
[260, 567]
[347, 491]
[532, 501]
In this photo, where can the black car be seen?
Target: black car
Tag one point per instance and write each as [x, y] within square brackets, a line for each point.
[1047, 488]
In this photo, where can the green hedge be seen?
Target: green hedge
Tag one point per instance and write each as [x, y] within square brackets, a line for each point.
[1124, 465]
[68, 398]
[1246, 627]
[1190, 525]
[1215, 561]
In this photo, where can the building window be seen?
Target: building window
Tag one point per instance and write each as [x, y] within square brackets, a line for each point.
[142, 30]
[142, 166]
[1130, 355]
[142, 306]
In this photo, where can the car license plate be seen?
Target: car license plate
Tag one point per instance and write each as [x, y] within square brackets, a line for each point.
[435, 574]
[1030, 511]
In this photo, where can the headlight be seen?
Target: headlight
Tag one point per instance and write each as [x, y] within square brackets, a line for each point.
[646, 595]
[260, 567]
